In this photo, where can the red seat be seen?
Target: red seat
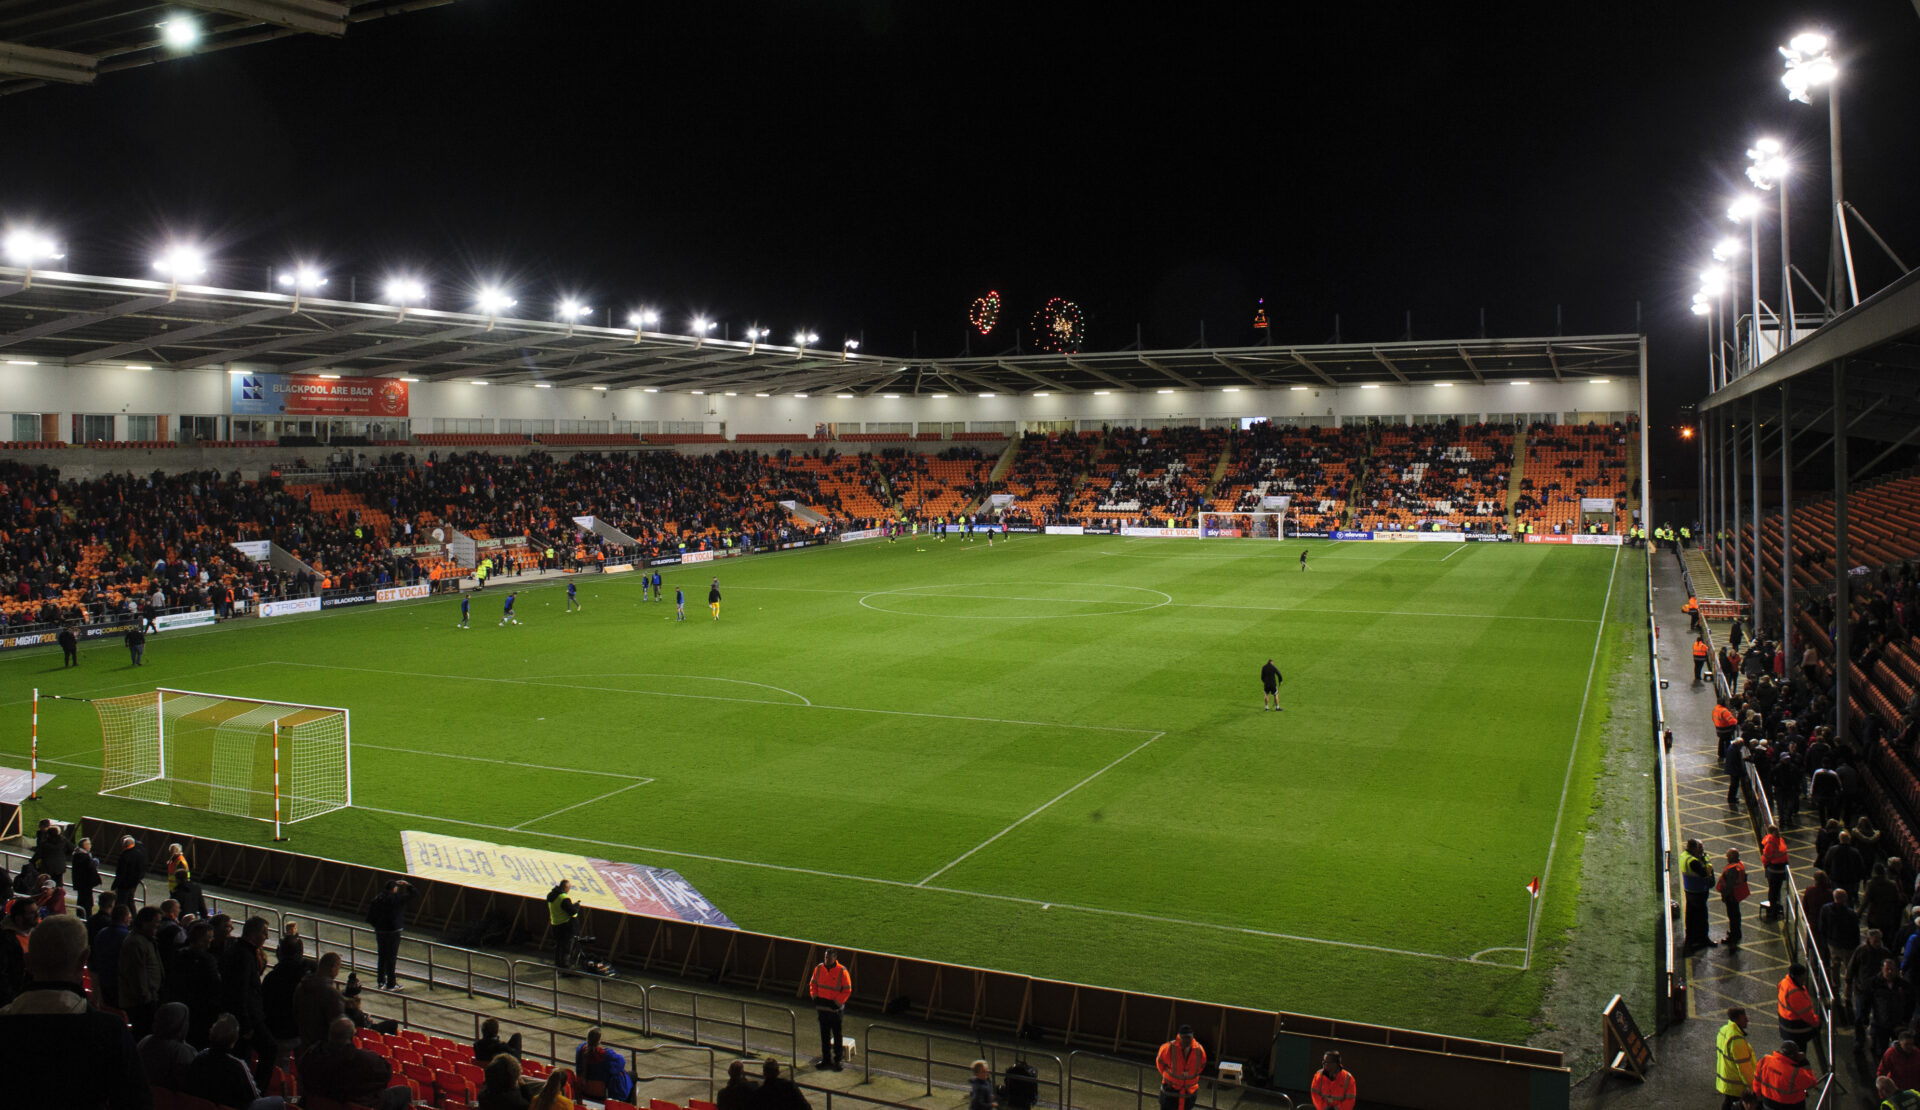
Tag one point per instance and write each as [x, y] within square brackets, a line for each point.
[662, 1104]
[454, 1088]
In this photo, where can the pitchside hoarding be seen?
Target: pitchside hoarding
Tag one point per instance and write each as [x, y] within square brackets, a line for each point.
[597, 883]
[313, 395]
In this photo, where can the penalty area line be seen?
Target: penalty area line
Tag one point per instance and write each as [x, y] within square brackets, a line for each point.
[569, 809]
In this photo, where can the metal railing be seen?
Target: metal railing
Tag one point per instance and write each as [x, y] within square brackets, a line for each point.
[617, 1002]
[428, 961]
[728, 1014]
[961, 1062]
[1139, 1089]
[1666, 970]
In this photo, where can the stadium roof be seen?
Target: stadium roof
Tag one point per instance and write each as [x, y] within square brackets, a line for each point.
[71, 42]
[59, 319]
[1878, 340]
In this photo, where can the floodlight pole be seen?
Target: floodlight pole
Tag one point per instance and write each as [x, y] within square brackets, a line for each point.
[1842, 607]
[1786, 525]
[1753, 440]
[1836, 288]
[1733, 431]
[1786, 272]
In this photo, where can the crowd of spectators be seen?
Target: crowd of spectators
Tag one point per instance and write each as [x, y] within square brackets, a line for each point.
[1436, 474]
[1154, 474]
[1308, 465]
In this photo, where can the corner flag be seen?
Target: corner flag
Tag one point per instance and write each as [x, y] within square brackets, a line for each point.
[1533, 887]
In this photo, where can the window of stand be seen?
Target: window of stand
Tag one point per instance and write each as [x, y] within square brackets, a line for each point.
[92, 428]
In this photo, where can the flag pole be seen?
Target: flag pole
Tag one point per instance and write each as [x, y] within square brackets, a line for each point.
[1533, 918]
[33, 755]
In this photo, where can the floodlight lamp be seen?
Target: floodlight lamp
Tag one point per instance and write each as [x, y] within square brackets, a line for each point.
[181, 262]
[852, 344]
[406, 291]
[24, 247]
[572, 310]
[1745, 208]
[492, 300]
[1726, 248]
[302, 279]
[182, 32]
[1700, 308]
[702, 325]
[1807, 43]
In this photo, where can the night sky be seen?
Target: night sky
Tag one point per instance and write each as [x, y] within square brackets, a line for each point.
[866, 167]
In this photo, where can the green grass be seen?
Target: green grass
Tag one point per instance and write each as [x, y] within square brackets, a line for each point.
[920, 747]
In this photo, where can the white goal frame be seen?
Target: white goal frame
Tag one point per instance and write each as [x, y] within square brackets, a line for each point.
[1220, 526]
[136, 732]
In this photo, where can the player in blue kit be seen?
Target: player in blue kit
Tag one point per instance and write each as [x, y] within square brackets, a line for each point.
[506, 614]
[573, 600]
[656, 586]
[466, 609]
[679, 604]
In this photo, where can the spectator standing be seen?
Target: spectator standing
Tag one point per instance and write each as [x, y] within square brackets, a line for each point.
[388, 916]
[1734, 890]
[22, 916]
[104, 962]
[69, 647]
[830, 987]
[1799, 1014]
[1696, 883]
[140, 971]
[1889, 1009]
[52, 848]
[1733, 1055]
[193, 980]
[55, 1049]
[223, 1078]
[1839, 929]
[129, 871]
[1784, 1078]
[1901, 1061]
[317, 1001]
[180, 882]
[980, 1094]
[1180, 1063]
[240, 972]
[278, 985]
[1863, 967]
[86, 875]
[137, 645]
[1333, 1086]
[562, 912]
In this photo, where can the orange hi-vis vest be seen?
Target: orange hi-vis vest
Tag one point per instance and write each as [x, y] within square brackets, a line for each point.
[1692, 605]
[1782, 1082]
[1773, 850]
[1337, 1093]
[832, 984]
[1699, 649]
[1181, 1070]
[1724, 718]
[1796, 1005]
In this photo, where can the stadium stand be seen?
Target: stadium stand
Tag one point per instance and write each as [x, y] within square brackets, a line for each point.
[1566, 462]
[1436, 475]
[1309, 465]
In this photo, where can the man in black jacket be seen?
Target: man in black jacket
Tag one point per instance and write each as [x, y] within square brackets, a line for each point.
[52, 848]
[66, 1052]
[129, 871]
[69, 647]
[241, 996]
[388, 916]
[86, 876]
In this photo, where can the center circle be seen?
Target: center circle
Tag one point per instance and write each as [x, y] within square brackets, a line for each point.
[985, 601]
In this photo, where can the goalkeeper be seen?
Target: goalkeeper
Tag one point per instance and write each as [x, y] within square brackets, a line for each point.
[562, 912]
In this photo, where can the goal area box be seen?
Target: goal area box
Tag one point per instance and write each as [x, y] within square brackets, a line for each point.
[264, 760]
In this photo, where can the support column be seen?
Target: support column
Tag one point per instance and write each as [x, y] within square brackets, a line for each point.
[1733, 522]
[1786, 524]
[1842, 603]
[1753, 442]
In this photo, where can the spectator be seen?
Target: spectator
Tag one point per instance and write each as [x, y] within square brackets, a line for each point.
[594, 1063]
[1843, 865]
[317, 1001]
[129, 871]
[52, 848]
[738, 1094]
[502, 1088]
[553, 1093]
[277, 987]
[221, 1077]
[104, 963]
[165, 1053]
[388, 916]
[1333, 1086]
[777, 1092]
[22, 916]
[240, 987]
[141, 972]
[1889, 1008]
[1839, 930]
[1863, 967]
[335, 1068]
[86, 876]
[1901, 1061]
[54, 1047]
[980, 1094]
[490, 1045]
[193, 979]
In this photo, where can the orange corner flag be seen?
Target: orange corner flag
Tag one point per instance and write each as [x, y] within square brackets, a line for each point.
[1533, 887]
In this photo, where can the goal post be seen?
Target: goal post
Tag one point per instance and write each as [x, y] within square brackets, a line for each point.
[264, 760]
[1257, 525]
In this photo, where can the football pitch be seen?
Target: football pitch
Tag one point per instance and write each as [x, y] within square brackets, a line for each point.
[1046, 757]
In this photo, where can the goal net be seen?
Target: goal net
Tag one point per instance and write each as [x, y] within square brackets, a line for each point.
[269, 761]
[1258, 526]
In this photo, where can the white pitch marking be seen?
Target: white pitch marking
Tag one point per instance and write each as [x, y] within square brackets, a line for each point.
[567, 809]
[804, 700]
[1037, 811]
[899, 883]
[639, 779]
[1455, 551]
[1579, 722]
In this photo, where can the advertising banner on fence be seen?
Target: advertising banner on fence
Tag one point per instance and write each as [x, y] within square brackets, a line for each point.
[1065, 530]
[1304, 534]
[1020, 528]
[170, 621]
[1163, 533]
[313, 395]
[401, 593]
[1535, 537]
[1440, 537]
[617, 568]
[859, 534]
[664, 561]
[340, 601]
[1590, 539]
[257, 550]
[293, 605]
[696, 557]
[597, 883]
[1352, 535]
[1479, 537]
[1397, 537]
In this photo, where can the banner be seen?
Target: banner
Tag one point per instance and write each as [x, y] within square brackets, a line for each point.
[257, 550]
[313, 395]
[1535, 537]
[597, 883]
[1440, 537]
[292, 605]
[339, 601]
[1482, 537]
[696, 557]
[663, 561]
[1163, 533]
[170, 621]
[1096, 530]
[1023, 528]
[1392, 537]
[1065, 530]
[1596, 504]
[1305, 534]
[1352, 535]
[1590, 539]
[860, 534]
[402, 593]
[617, 568]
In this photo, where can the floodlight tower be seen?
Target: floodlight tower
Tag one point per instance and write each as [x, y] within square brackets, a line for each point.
[302, 279]
[1746, 209]
[571, 310]
[1810, 66]
[848, 347]
[640, 318]
[702, 327]
[800, 342]
[755, 333]
[1769, 168]
[24, 247]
